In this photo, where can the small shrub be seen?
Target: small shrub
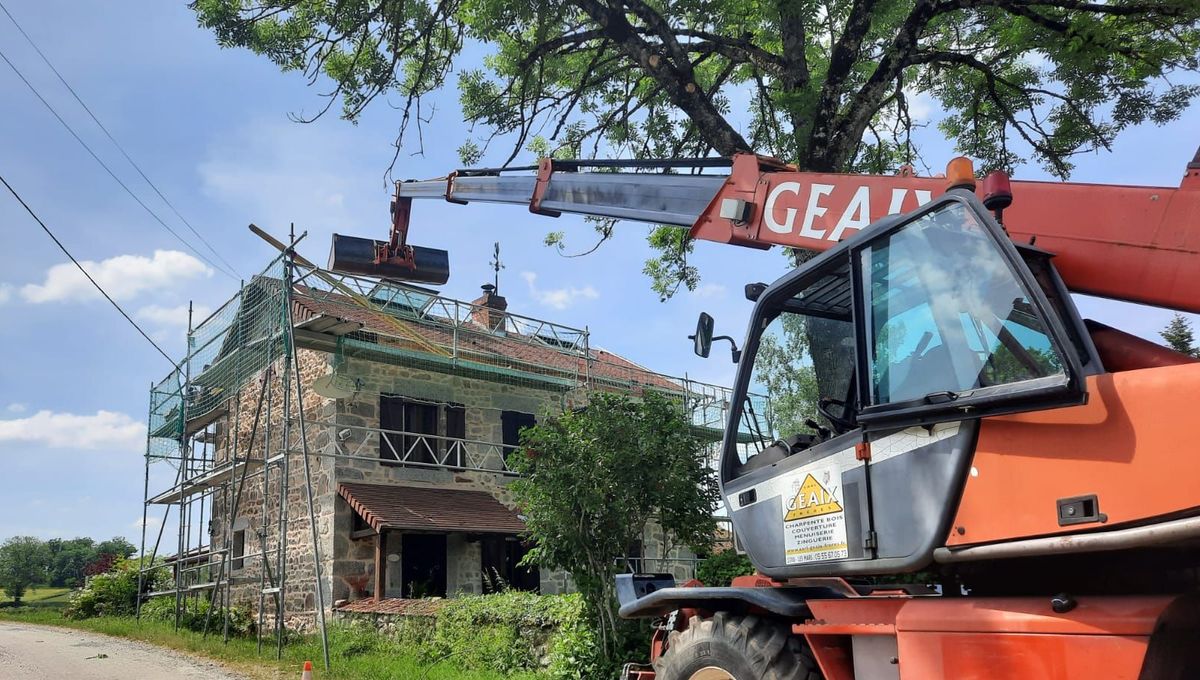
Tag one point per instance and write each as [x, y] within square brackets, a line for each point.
[355, 639]
[517, 631]
[195, 613]
[115, 592]
[721, 568]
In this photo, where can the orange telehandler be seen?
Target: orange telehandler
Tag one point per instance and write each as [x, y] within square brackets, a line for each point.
[974, 432]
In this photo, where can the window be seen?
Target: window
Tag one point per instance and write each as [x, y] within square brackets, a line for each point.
[803, 362]
[456, 432]
[238, 556]
[410, 419]
[511, 424]
[948, 314]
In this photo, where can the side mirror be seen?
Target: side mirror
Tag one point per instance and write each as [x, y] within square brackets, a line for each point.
[704, 335]
[755, 291]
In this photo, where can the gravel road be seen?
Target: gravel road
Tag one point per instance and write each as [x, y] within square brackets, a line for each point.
[29, 652]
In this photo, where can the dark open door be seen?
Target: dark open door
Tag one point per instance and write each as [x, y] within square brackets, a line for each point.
[423, 565]
[500, 559]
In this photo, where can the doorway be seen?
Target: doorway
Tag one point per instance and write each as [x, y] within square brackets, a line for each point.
[423, 565]
[500, 556]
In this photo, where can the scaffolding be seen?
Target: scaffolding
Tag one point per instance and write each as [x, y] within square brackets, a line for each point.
[229, 428]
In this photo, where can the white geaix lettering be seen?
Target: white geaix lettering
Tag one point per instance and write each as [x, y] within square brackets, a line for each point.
[789, 219]
[856, 216]
[815, 210]
[896, 206]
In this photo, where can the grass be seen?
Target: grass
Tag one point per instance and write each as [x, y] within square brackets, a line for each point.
[43, 598]
[354, 654]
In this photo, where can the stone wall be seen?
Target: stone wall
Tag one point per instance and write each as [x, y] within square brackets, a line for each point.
[483, 401]
[348, 564]
[258, 504]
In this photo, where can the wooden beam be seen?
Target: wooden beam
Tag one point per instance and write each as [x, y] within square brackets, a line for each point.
[380, 565]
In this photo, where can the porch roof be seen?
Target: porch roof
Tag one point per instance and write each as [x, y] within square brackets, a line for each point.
[416, 508]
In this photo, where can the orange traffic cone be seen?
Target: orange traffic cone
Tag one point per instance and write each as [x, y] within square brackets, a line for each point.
[307, 674]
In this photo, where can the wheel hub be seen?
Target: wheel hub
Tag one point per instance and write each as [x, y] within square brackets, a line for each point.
[711, 673]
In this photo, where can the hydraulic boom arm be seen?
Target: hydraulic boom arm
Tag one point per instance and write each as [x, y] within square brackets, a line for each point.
[1125, 242]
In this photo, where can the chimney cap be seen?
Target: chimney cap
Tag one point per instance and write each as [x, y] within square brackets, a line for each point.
[488, 288]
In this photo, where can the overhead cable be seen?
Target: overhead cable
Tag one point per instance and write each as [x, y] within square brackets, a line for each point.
[66, 252]
[107, 169]
[112, 139]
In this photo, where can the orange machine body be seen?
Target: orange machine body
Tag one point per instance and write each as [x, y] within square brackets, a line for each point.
[1126, 242]
[1131, 445]
[1003, 638]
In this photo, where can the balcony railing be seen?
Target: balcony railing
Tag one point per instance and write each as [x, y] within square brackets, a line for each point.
[416, 449]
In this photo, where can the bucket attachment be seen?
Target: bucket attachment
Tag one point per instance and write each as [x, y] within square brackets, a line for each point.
[353, 255]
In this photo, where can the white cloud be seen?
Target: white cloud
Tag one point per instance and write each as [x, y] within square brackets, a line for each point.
[103, 430]
[558, 298]
[275, 170]
[920, 105]
[16, 408]
[710, 291]
[172, 316]
[150, 523]
[5, 292]
[123, 276]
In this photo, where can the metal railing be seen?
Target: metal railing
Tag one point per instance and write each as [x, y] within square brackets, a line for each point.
[417, 449]
[429, 308]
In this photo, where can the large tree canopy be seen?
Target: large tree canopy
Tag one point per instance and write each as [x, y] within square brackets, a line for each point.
[822, 83]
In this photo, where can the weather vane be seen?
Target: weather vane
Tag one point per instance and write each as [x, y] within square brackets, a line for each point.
[497, 265]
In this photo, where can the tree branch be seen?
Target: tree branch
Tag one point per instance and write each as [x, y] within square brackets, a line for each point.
[674, 78]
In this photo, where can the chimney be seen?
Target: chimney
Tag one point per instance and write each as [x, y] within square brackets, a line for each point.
[489, 309]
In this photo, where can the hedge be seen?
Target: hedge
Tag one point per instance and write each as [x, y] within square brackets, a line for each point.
[517, 631]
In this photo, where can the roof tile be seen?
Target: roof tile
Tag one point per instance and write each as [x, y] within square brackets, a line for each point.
[430, 509]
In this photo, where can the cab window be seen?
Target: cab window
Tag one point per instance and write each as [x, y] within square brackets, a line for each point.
[947, 314]
[803, 369]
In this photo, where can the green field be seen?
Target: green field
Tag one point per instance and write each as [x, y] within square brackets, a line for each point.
[42, 598]
[355, 655]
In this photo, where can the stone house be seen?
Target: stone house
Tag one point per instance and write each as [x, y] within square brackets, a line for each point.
[411, 402]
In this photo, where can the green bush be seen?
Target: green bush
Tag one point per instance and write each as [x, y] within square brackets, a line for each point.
[115, 592]
[517, 631]
[721, 568]
[195, 613]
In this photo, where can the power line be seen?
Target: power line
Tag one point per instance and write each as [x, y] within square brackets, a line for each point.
[85, 272]
[107, 169]
[112, 139]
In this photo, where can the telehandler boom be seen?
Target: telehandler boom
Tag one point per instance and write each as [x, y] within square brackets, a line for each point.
[1035, 474]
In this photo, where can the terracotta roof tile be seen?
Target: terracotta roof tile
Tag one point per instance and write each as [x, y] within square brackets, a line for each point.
[429, 509]
[395, 605]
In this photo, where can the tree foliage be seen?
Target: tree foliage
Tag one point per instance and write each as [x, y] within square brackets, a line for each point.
[57, 562]
[23, 562]
[594, 479]
[1180, 337]
[784, 369]
[70, 560]
[721, 568]
[826, 84]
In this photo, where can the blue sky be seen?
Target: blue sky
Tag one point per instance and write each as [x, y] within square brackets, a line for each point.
[211, 128]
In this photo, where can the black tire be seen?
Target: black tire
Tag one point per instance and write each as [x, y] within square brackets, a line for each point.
[745, 647]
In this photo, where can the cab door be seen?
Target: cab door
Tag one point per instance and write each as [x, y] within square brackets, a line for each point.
[945, 324]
